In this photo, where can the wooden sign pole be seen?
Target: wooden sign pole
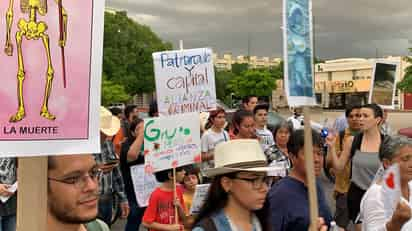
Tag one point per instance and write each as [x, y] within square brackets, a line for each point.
[32, 194]
[310, 170]
[175, 195]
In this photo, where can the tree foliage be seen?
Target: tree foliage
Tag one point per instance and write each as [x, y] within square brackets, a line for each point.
[127, 55]
[222, 79]
[253, 82]
[406, 84]
[112, 92]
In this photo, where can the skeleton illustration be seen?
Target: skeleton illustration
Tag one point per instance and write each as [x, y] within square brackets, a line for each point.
[32, 29]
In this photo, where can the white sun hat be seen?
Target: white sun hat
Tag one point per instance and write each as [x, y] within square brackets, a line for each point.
[109, 124]
[238, 155]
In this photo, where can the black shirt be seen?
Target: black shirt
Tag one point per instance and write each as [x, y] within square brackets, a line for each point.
[125, 169]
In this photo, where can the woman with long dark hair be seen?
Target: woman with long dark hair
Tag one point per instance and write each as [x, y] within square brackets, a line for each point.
[243, 123]
[131, 154]
[363, 151]
[239, 188]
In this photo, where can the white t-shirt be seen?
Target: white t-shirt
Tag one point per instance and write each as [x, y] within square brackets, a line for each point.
[372, 212]
[265, 138]
[209, 141]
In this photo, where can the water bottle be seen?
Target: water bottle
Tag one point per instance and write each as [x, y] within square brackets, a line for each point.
[333, 226]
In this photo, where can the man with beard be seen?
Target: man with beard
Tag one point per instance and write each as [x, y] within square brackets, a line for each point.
[73, 184]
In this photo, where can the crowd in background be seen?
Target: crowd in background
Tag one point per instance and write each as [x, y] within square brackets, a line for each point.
[256, 172]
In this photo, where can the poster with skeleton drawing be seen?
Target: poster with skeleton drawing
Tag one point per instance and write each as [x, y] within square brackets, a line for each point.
[50, 65]
[8, 170]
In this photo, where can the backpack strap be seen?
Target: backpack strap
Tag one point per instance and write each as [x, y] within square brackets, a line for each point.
[356, 144]
[341, 135]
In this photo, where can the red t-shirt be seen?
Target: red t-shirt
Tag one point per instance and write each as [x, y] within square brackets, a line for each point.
[161, 209]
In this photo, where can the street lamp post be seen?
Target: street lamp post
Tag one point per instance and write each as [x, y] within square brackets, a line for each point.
[231, 99]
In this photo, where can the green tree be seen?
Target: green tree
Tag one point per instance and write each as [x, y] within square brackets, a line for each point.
[112, 92]
[406, 84]
[127, 53]
[222, 79]
[253, 82]
[238, 68]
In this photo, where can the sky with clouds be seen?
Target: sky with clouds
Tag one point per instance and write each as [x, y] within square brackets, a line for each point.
[344, 28]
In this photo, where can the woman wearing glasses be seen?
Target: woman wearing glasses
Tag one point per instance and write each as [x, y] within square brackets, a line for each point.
[238, 189]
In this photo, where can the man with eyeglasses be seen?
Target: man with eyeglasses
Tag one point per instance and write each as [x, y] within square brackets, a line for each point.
[73, 193]
[288, 198]
[342, 178]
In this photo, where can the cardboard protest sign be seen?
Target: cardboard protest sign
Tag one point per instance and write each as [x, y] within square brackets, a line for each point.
[144, 184]
[171, 141]
[199, 198]
[298, 52]
[383, 84]
[185, 81]
[50, 91]
[391, 190]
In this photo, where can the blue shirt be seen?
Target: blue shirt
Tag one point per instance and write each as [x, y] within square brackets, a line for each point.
[289, 205]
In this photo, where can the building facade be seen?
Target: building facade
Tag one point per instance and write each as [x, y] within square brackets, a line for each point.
[225, 62]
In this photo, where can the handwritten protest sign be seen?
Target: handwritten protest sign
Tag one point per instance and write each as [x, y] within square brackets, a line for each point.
[171, 141]
[50, 101]
[199, 198]
[185, 81]
[298, 52]
[383, 84]
[144, 184]
[391, 190]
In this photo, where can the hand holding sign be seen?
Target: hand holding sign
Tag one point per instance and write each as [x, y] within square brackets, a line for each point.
[391, 190]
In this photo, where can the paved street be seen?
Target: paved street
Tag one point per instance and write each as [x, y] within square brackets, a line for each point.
[397, 120]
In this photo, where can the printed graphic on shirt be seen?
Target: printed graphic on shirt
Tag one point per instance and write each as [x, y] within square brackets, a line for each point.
[8, 172]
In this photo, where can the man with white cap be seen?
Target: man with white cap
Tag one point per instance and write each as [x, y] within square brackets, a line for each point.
[111, 182]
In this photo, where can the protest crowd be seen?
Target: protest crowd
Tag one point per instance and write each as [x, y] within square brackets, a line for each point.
[255, 175]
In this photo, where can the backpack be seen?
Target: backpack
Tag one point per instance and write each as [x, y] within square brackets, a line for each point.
[97, 225]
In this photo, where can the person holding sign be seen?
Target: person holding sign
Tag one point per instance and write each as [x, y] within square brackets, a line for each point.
[131, 154]
[288, 199]
[73, 192]
[160, 213]
[239, 188]
[396, 150]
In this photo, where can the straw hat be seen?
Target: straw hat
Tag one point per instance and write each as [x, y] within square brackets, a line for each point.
[109, 124]
[238, 155]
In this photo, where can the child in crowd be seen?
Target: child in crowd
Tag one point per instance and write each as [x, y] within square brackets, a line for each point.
[190, 181]
[160, 213]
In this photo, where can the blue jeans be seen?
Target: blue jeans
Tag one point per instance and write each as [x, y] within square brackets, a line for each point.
[8, 223]
[105, 210]
[135, 217]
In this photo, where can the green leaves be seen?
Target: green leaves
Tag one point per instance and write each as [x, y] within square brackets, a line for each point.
[253, 82]
[406, 84]
[127, 57]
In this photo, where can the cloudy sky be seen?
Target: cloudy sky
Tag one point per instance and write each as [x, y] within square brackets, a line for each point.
[343, 28]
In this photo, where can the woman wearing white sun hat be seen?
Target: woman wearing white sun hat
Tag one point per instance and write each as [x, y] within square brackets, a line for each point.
[239, 188]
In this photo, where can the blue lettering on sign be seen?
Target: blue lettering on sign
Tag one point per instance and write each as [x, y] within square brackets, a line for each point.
[177, 61]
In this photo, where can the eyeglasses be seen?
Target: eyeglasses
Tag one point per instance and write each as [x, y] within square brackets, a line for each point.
[257, 183]
[81, 181]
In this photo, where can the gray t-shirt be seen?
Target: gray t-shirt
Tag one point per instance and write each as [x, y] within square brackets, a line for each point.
[8, 175]
[364, 168]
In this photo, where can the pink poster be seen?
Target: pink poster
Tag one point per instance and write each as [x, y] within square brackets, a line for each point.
[50, 61]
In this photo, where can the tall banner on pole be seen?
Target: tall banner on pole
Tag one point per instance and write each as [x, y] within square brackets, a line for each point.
[298, 52]
[50, 65]
[185, 81]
